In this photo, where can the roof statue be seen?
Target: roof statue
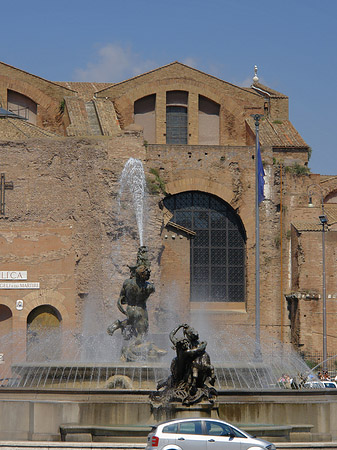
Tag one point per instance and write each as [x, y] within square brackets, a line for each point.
[255, 78]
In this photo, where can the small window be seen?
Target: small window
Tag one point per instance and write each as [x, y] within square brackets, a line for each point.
[237, 433]
[193, 427]
[176, 98]
[217, 429]
[172, 428]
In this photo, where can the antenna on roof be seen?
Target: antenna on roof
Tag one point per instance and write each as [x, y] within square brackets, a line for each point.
[255, 78]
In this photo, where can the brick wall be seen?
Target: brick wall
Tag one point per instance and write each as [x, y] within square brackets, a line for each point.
[62, 226]
[235, 103]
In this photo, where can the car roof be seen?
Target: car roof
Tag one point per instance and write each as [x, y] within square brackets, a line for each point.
[207, 419]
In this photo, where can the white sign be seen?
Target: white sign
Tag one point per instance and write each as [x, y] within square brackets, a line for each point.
[13, 275]
[6, 285]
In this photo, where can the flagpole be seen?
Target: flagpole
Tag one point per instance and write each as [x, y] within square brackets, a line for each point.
[257, 354]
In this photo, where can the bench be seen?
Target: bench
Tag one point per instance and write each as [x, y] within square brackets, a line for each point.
[279, 433]
[138, 433]
[96, 433]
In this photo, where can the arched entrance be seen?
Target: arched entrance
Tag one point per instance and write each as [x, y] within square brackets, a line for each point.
[218, 252]
[6, 341]
[44, 334]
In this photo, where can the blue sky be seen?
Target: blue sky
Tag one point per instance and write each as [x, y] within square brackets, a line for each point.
[293, 43]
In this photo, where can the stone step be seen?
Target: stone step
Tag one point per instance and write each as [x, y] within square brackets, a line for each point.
[93, 119]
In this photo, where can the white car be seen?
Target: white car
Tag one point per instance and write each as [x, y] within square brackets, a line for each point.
[329, 384]
[314, 385]
[202, 434]
[321, 384]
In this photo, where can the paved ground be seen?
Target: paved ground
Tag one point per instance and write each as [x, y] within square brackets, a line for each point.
[29, 445]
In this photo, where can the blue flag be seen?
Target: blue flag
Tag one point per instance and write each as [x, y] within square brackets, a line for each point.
[260, 176]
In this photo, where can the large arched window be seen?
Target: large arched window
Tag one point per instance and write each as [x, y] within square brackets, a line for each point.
[218, 250]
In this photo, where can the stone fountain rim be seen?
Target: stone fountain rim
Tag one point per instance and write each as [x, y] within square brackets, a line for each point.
[136, 365]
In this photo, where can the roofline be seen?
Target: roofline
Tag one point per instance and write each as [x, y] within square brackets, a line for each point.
[331, 177]
[288, 148]
[36, 76]
[46, 133]
[184, 65]
[267, 90]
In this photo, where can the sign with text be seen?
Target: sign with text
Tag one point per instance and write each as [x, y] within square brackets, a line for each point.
[28, 285]
[13, 275]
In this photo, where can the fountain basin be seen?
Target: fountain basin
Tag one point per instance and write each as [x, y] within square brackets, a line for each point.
[134, 375]
[36, 414]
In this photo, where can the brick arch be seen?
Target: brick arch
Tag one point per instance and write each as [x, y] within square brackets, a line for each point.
[231, 114]
[200, 184]
[328, 196]
[7, 307]
[44, 297]
[7, 302]
[177, 84]
[209, 186]
[30, 91]
[329, 187]
[6, 338]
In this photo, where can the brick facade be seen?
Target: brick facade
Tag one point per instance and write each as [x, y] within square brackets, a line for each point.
[64, 226]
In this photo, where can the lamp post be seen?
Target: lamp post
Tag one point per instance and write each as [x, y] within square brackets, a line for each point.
[324, 220]
[257, 353]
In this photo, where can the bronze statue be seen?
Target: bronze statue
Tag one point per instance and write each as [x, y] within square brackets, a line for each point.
[191, 369]
[132, 303]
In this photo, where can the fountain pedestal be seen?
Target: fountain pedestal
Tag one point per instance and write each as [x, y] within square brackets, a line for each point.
[176, 410]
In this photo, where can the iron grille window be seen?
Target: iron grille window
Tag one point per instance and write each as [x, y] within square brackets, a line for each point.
[176, 125]
[218, 250]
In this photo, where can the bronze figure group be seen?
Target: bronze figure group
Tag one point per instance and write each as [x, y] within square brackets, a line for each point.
[192, 376]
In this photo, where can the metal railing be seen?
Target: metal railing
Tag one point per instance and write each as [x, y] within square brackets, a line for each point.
[316, 359]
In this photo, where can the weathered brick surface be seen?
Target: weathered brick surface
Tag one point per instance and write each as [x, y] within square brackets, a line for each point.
[64, 222]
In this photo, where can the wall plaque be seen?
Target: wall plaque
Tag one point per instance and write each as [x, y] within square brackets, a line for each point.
[13, 275]
[28, 285]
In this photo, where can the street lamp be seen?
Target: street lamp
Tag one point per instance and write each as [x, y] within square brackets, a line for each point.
[324, 220]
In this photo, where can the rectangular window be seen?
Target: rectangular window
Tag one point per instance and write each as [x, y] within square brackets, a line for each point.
[176, 125]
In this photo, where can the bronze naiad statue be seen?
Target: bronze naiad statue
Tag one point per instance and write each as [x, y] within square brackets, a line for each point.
[132, 303]
[191, 369]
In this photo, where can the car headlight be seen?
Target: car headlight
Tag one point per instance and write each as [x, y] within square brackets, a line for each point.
[271, 447]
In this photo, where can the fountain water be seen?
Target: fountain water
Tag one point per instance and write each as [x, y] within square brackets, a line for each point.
[133, 180]
[86, 368]
[91, 358]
